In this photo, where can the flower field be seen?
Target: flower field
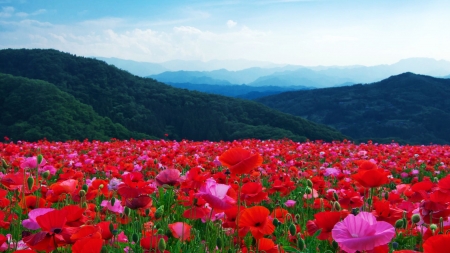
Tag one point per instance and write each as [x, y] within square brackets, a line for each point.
[241, 196]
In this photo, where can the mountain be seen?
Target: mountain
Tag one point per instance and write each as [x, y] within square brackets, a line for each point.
[317, 77]
[407, 108]
[35, 109]
[216, 76]
[299, 77]
[145, 106]
[134, 67]
[240, 91]
[150, 68]
[193, 77]
[231, 65]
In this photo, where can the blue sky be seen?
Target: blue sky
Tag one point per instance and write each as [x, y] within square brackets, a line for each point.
[310, 33]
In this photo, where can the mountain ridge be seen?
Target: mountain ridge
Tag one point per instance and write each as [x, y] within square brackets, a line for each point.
[408, 108]
[145, 106]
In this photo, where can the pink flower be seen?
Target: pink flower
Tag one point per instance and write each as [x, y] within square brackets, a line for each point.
[116, 208]
[290, 203]
[31, 163]
[31, 222]
[216, 195]
[362, 232]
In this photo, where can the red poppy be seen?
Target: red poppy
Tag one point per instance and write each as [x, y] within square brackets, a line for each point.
[104, 230]
[268, 246]
[181, 230]
[437, 243]
[280, 214]
[257, 219]
[442, 194]
[240, 161]
[326, 222]
[349, 199]
[31, 202]
[383, 211]
[151, 242]
[87, 240]
[52, 224]
[252, 192]
[370, 176]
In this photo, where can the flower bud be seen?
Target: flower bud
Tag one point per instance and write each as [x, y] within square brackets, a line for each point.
[162, 245]
[300, 244]
[433, 227]
[39, 159]
[46, 174]
[84, 187]
[30, 182]
[113, 201]
[415, 218]
[127, 211]
[292, 229]
[219, 242]
[337, 206]
[308, 190]
[276, 222]
[82, 193]
[309, 183]
[335, 196]
[399, 223]
[135, 238]
[159, 212]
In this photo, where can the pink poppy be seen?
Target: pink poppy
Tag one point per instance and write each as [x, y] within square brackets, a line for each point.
[31, 222]
[216, 195]
[362, 232]
[116, 208]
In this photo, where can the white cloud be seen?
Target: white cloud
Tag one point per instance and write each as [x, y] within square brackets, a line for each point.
[6, 12]
[231, 23]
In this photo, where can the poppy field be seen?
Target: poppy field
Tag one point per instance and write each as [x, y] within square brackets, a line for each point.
[241, 196]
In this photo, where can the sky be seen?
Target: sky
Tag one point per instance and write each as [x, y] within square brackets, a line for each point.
[300, 32]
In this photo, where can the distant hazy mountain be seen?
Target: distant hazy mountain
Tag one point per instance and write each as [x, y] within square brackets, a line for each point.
[134, 67]
[231, 65]
[407, 108]
[257, 73]
[217, 76]
[299, 77]
[150, 68]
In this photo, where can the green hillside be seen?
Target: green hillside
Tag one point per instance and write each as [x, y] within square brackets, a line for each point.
[407, 108]
[34, 109]
[146, 106]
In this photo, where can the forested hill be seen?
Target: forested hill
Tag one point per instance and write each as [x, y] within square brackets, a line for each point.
[34, 109]
[407, 108]
[145, 106]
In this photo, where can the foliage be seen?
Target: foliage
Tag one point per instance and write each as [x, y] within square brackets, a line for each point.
[407, 108]
[146, 106]
[34, 109]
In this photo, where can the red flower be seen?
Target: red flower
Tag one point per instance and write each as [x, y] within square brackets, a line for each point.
[436, 244]
[257, 219]
[326, 222]
[52, 224]
[370, 176]
[252, 192]
[240, 161]
[181, 230]
[268, 246]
